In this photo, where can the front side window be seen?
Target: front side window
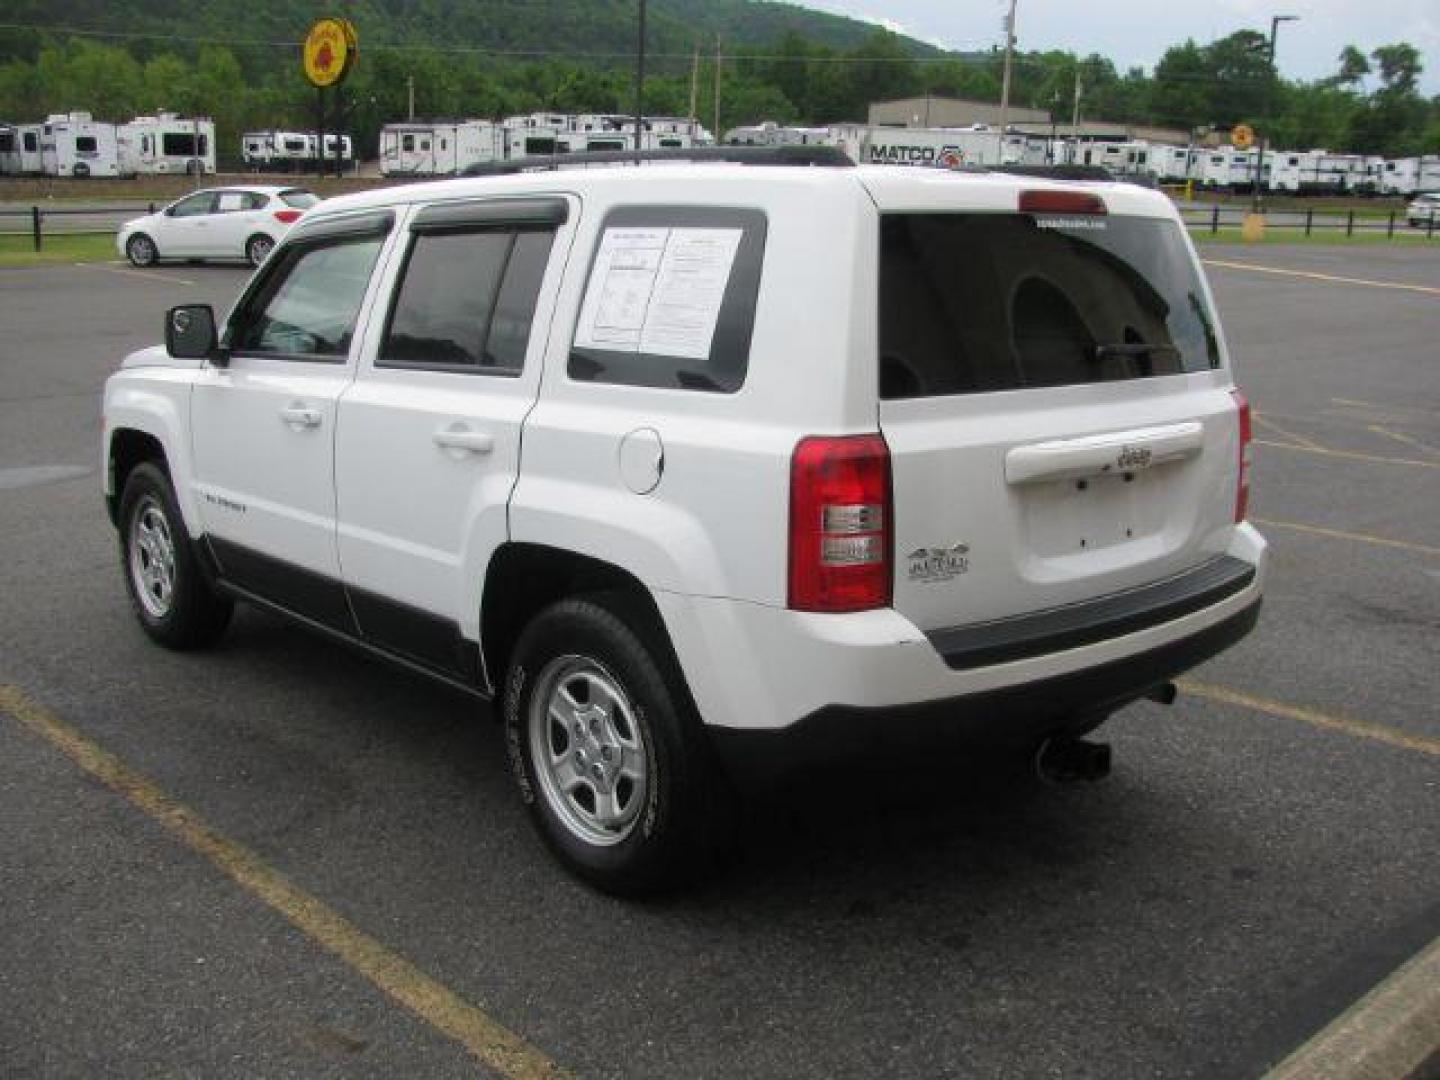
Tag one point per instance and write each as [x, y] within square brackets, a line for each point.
[974, 302]
[194, 206]
[307, 305]
[467, 299]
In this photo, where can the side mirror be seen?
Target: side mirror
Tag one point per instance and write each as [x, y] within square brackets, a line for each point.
[190, 332]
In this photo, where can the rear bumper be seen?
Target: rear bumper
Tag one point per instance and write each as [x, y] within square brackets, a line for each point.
[1011, 717]
[754, 667]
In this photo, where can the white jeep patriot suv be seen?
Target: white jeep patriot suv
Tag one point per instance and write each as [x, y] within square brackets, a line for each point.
[683, 457]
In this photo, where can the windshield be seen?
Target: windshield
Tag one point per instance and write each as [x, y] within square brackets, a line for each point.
[979, 302]
[300, 198]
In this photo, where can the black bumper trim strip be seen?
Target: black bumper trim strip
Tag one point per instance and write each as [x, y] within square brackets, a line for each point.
[1073, 625]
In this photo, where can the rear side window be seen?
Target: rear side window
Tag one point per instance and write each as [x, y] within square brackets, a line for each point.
[300, 198]
[980, 302]
[671, 297]
[467, 299]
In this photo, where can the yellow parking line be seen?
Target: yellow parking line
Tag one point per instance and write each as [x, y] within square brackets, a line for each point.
[1265, 421]
[1337, 534]
[1391, 1031]
[1429, 290]
[1349, 455]
[1400, 436]
[1358, 728]
[494, 1045]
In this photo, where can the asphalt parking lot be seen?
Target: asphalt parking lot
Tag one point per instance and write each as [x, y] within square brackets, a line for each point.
[305, 864]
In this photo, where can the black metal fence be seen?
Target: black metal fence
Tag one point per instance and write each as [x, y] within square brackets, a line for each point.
[38, 222]
[1311, 222]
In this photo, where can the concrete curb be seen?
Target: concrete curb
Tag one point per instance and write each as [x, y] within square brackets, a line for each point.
[1392, 1033]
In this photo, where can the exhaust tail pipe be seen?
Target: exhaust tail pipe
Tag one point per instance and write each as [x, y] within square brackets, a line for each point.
[1064, 760]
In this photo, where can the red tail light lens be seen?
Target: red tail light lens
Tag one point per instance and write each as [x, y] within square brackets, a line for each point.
[288, 217]
[1061, 202]
[1242, 487]
[840, 524]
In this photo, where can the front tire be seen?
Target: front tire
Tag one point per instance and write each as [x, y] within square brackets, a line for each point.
[141, 250]
[258, 248]
[609, 754]
[173, 601]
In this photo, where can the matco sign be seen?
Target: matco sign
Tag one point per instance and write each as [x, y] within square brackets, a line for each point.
[899, 153]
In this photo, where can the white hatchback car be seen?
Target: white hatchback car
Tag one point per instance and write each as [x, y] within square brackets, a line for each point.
[1424, 209]
[241, 222]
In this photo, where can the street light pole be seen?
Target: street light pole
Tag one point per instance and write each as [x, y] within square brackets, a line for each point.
[1275, 21]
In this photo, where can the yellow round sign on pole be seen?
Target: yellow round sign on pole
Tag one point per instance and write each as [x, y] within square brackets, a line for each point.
[1242, 137]
[330, 51]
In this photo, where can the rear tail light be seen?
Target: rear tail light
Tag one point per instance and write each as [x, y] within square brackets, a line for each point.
[1061, 202]
[1242, 486]
[840, 524]
[288, 217]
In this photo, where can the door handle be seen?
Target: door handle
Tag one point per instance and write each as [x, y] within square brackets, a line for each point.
[301, 416]
[465, 438]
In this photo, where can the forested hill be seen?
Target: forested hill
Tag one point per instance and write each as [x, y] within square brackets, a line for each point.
[569, 27]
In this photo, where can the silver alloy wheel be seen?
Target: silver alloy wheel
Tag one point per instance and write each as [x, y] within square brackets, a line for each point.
[152, 557]
[258, 248]
[588, 750]
[141, 250]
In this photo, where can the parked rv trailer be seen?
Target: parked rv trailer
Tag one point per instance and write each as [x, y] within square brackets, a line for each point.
[75, 144]
[439, 147]
[1226, 168]
[1170, 164]
[166, 143]
[1406, 176]
[292, 151]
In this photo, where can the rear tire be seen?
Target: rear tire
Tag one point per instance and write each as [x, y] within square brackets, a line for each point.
[609, 754]
[258, 248]
[173, 601]
[141, 250]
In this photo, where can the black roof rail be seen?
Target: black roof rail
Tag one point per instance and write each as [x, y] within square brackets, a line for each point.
[1057, 172]
[827, 156]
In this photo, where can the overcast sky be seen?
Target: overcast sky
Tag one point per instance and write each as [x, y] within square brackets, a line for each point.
[1134, 32]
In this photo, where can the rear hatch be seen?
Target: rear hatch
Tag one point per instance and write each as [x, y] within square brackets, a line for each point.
[1054, 394]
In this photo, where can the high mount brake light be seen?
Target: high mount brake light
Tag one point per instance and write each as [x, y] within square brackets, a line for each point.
[840, 524]
[1061, 202]
[1247, 452]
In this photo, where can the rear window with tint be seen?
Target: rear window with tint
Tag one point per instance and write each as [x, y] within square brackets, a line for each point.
[979, 302]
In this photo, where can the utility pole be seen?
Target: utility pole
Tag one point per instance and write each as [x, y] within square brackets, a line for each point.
[640, 83]
[1275, 21]
[717, 90]
[694, 84]
[1005, 80]
[410, 83]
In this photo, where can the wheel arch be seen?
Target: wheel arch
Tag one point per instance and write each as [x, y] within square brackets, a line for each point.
[128, 448]
[524, 578]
